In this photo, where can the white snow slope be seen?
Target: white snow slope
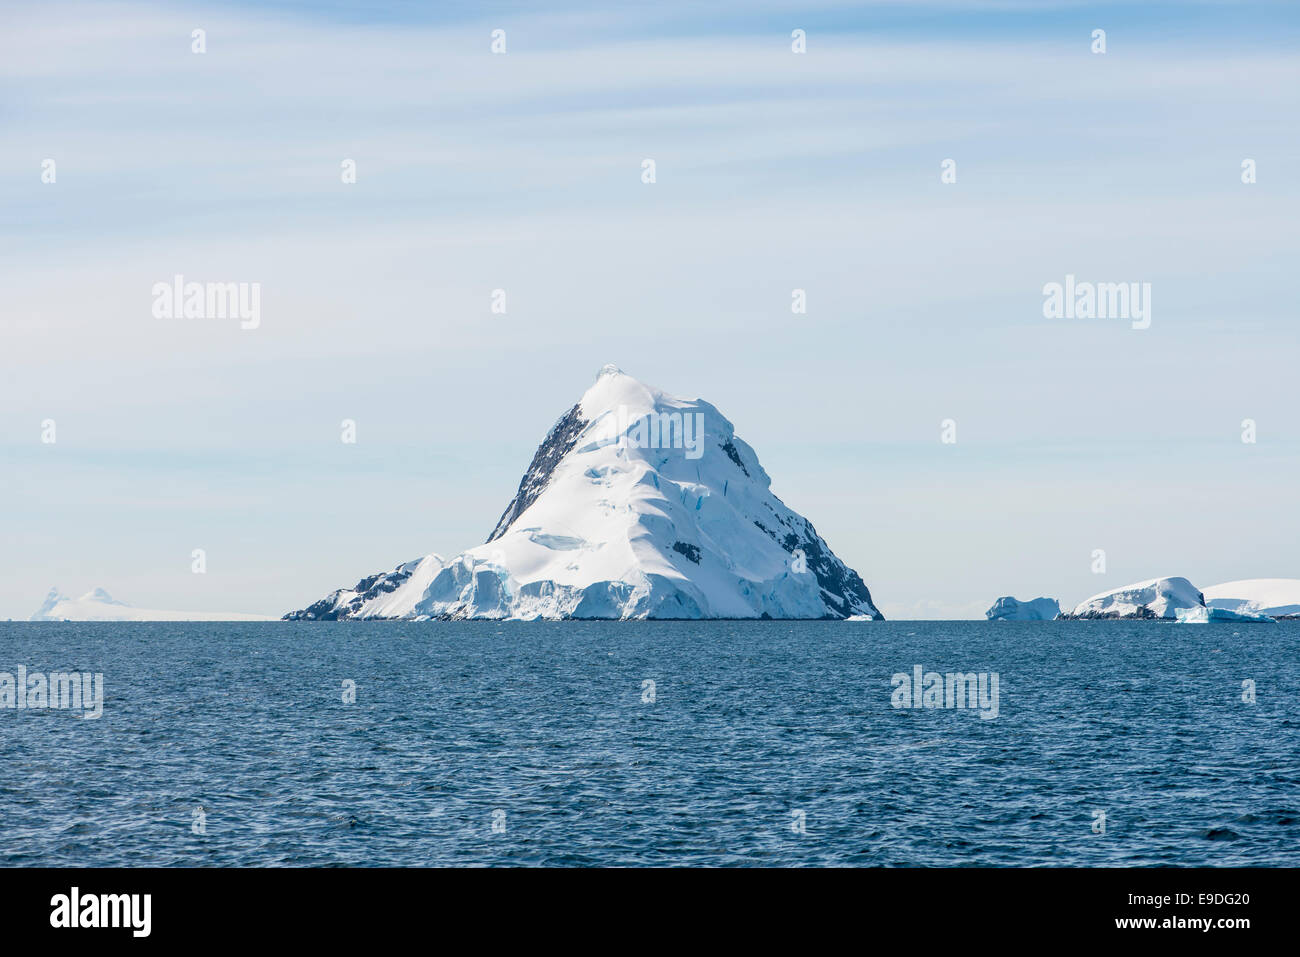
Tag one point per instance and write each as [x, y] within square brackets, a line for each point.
[1157, 598]
[615, 521]
[1275, 597]
[99, 605]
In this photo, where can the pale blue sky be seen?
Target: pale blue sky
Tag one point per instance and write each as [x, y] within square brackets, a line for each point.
[522, 172]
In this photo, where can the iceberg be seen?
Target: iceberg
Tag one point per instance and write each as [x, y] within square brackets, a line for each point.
[1011, 609]
[1204, 615]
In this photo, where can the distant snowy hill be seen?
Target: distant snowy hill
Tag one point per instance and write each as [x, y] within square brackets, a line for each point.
[1009, 609]
[1156, 598]
[636, 505]
[99, 605]
[1275, 597]
[1255, 600]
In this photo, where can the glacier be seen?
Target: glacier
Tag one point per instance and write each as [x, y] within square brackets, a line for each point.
[636, 505]
[1271, 597]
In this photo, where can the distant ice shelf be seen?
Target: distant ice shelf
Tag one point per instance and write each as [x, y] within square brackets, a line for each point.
[98, 605]
[1272, 597]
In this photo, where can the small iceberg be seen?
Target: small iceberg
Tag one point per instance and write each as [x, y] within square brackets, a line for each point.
[1202, 615]
[1011, 609]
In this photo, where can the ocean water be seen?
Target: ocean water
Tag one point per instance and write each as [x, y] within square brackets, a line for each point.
[766, 743]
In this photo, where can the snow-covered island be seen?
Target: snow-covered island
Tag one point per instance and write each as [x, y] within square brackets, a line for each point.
[1011, 609]
[636, 505]
[1154, 598]
[99, 605]
[1177, 599]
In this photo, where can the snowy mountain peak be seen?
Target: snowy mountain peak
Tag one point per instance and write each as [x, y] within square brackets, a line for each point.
[637, 504]
[614, 389]
[52, 598]
[100, 595]
[58, 606]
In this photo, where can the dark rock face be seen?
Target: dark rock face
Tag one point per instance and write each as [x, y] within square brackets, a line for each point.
[330, 609]
[839, 583]
[324, 610]
[1143, 613]
[732, 453]
[843, 589]
[690, 551]
[557, 444]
